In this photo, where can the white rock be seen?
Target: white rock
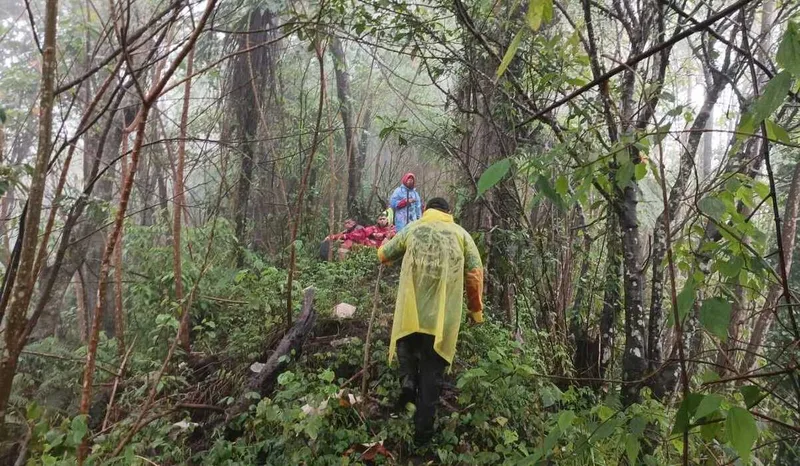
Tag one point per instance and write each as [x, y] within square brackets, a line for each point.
[257, 367]
[183, 425]
[344, 310]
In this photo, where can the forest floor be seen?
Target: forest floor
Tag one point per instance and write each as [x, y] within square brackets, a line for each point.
[495, 408]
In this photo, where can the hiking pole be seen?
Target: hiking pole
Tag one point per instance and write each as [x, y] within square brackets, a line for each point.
[365, 370]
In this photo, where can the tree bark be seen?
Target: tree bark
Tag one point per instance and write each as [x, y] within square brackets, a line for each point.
[177, 211]
[245, 90]
[612, 303]
[348, 120]
[22, 291]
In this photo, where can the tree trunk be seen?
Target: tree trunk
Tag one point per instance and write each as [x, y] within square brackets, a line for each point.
[612, 304]
[29, 231]
[177, 211]
[246, 86]
[82, 315]
[347, 112]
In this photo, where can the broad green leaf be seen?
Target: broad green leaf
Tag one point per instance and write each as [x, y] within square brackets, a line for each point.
[773, 96]
[624, 174]
[632, 448]
[761, 188]
[751, 394]
[512, 50]
[712, 206]
[685, 412]
[551, 440]
[715, 315]
[562, 185]
[637, 425]
[565, 419]
[543, 185]
[776, 132]
[709, 405]
[789, 50]
[709, 376]
[605, 430]
[709, 431]
[605, 412]
[640, 171]
[731, 267]
[742, 431]
[78, 428]
[539, 11]
[496, 172]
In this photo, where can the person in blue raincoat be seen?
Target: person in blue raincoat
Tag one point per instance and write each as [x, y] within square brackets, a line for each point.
[406, 202]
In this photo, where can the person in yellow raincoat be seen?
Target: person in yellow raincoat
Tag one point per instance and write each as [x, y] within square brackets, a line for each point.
[439, 256]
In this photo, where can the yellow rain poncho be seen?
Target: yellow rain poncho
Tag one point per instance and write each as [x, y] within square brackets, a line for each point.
[438, 256]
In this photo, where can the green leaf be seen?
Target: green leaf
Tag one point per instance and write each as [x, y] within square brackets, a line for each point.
[751, 394]
[496, 172]
[562, 185]
[712, 206]
[742, 431]
[637, 425]
[512, 50]
[327, 376]
[686, 299]
[539, 11]
[789, 50]
[710, 430]
[543, 185]
[509, 436]
[624, 174]
[776, 132]
[731, 267]
[565, 419]
[715, 315]
[640, 171]
[78, 428]
[773, 96]
[708, 406]
[632, 448]
[605, 430]
[686, 411]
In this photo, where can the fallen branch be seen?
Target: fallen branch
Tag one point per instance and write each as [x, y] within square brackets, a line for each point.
[264, 380]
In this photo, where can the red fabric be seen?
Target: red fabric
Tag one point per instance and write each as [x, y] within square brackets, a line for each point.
[376, 235]
[358, 235]
[402, 203]
[407, 176]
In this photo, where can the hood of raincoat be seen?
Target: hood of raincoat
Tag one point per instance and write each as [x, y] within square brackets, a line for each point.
[406, 177]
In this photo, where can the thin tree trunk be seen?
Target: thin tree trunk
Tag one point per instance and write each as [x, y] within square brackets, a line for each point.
[119, 312]
[612, 304]
[82, 316]
[21, 292]
[179, 206]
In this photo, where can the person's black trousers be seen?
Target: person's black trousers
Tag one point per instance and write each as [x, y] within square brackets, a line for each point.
[421, 372]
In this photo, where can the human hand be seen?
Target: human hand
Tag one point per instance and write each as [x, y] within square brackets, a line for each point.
[475, 318]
